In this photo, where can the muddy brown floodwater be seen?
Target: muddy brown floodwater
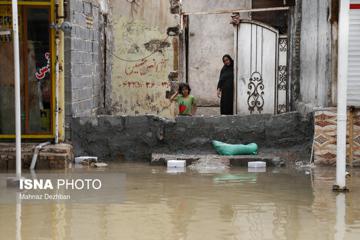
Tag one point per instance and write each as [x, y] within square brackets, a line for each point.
[229, 204]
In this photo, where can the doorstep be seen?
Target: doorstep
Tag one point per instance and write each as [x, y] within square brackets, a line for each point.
[53, 156]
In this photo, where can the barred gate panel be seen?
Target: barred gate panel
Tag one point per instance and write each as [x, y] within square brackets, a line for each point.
[282, 80]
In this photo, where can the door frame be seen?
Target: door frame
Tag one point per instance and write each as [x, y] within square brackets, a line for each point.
[50, 4]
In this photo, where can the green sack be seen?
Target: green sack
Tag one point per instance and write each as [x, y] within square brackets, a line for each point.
[235, 149]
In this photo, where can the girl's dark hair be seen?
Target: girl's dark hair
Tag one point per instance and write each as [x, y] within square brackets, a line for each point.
[182, 86]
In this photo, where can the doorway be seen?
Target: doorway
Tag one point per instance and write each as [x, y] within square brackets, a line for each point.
[36, 75]
[259, 46]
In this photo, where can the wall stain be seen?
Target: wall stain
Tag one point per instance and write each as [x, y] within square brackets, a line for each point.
[156, 45]
[134, 49]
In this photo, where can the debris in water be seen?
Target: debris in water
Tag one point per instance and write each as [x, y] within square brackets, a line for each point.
[301, 164]
[99, 164]
[209, 165]
[86, 160]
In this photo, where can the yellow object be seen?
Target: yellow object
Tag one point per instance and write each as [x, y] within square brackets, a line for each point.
[61, 92]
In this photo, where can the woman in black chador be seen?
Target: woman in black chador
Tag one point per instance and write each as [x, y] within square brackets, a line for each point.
[225, 88]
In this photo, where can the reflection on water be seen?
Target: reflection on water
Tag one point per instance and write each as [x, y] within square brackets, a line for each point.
[236, 204]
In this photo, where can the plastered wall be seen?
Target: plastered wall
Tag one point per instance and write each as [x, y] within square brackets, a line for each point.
[315, 64]
[142, 57]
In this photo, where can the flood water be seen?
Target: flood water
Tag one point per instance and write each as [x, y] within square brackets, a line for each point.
[234, 204]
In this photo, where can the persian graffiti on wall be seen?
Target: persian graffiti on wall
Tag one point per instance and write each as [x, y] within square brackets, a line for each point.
[142, 58]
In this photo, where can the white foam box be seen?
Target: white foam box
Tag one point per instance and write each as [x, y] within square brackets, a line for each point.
[257, 164]
[176, 163]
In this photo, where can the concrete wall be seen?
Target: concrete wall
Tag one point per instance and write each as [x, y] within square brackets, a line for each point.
[210, 37]
[135, 138]
[315, 73]
[83, 60]
[142, 57]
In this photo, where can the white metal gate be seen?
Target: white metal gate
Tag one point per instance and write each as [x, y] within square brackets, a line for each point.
[256, 87]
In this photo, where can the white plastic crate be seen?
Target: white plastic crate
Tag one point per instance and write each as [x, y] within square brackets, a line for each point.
[176, 163]
[257, 164]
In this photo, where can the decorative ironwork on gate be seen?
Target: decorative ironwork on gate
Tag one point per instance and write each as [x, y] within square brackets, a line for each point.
[282, 105]
[262, 84]
[283, 45]
[256, 87]
[282, 85]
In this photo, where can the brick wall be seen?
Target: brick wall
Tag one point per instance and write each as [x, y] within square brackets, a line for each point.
[84, 61]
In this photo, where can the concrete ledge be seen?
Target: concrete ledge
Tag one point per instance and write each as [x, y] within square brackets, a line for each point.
[118, 138]
[240, 160]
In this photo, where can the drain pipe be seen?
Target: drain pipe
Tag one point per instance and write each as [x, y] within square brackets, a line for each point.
[36, 153]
